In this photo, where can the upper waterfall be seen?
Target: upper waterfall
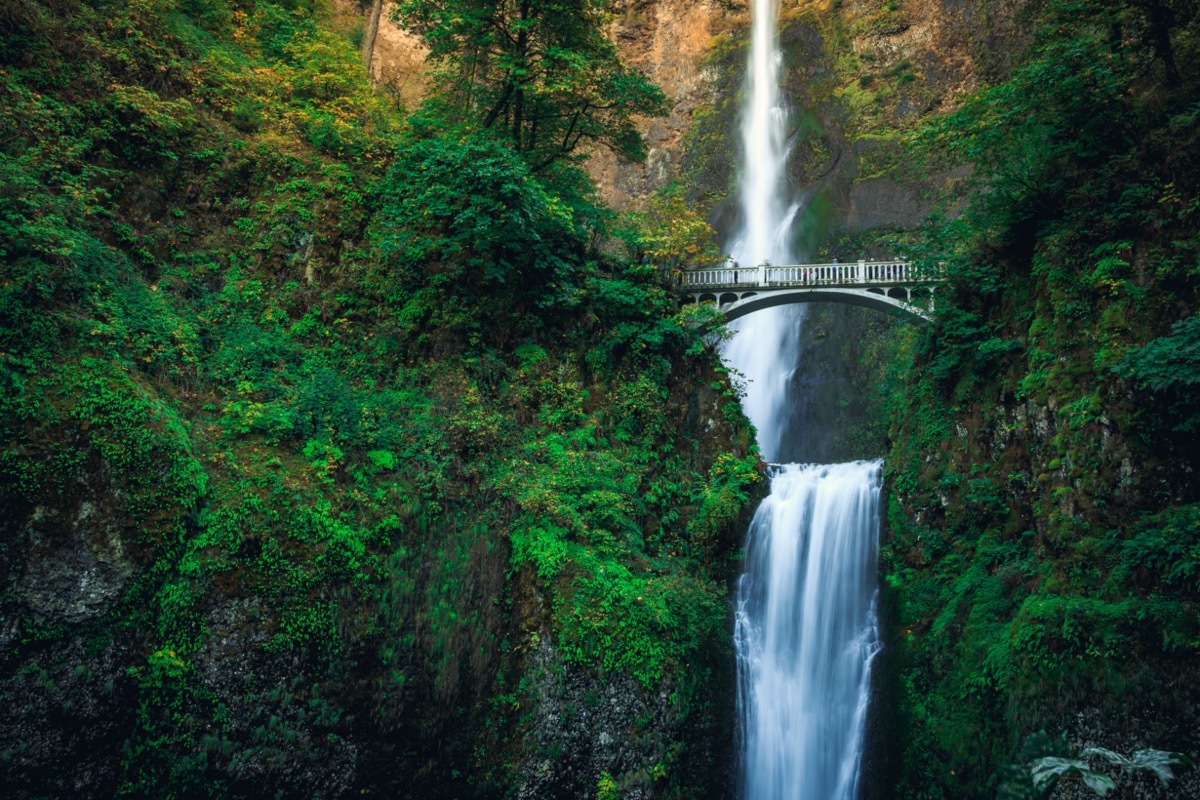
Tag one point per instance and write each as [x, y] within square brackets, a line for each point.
[766, 345]
[767, 213]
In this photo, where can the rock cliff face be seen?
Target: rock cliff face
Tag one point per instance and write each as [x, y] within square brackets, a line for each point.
[74, 676]
[667, 39]
[670, 41]
[397, 57]
[856, 76]
[858, 72]
[398, 63]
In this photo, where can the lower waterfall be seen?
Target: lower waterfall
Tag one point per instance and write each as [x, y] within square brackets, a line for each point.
[805, 632]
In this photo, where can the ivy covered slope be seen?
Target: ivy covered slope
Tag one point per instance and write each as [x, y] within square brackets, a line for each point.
[335, 456]
[1043, 557]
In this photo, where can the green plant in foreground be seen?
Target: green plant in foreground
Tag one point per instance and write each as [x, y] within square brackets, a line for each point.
[606, 788]
[1047, 762]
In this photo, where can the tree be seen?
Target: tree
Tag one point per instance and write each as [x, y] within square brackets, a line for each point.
[371, 33]
[541, 73]
[670, 235]
[469, 235]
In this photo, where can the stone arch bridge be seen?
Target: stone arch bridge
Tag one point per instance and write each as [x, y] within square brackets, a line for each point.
[892, 286]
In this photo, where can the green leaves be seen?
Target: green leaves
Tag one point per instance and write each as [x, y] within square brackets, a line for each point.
[1038, 778]
[323, 394]
[542, 74]
[1168, 363]
[1170, 367]
[1156, 762]
[1047, 772]
[467, 207]
[1052, 350]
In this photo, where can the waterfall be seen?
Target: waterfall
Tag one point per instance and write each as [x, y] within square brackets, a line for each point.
[805, 632]
[805, 629]
[766, 212]
[766, 344]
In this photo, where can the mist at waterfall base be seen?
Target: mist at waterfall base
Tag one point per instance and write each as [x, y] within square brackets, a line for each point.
[805, 630]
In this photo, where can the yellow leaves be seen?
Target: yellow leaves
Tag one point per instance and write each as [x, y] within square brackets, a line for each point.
[239, 21]
[679, 236]
[167, 661]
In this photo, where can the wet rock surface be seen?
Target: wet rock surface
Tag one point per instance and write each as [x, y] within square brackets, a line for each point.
[583, 726]
[77, 562]
[67, 711]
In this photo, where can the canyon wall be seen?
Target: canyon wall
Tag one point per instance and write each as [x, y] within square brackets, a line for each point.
[858, 73]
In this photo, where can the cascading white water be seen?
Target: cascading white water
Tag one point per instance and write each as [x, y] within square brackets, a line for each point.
[805, 629]
[767, 339]
[766, 212]
[805, 632]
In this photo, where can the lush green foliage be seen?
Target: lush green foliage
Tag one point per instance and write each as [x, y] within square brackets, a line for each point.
[1170, 367]
[544, 73]
[1048, 762]
[364, 404]
[1043, 547]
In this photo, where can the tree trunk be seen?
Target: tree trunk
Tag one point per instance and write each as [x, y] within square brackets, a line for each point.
[522, 52]
[372, 30]
[1161, 20]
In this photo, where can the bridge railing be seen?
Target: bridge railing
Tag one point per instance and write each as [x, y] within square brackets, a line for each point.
[723, 276]
[835, 274]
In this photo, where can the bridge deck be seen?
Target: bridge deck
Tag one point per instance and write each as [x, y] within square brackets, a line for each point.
[860, 273]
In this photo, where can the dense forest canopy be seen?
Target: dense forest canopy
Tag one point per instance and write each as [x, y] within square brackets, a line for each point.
[364, 430]
[1046, 520]
[545, 74]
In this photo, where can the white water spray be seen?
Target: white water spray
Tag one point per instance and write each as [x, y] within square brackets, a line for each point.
[805, 632]
[805, 629]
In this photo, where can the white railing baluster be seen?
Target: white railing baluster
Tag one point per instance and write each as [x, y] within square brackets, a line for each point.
[888, 273]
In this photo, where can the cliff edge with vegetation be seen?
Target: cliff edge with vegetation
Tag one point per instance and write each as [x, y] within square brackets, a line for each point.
[335, 458]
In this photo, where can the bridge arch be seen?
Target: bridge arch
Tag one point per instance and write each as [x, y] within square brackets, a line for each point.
[895, 287]
[735, 306]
